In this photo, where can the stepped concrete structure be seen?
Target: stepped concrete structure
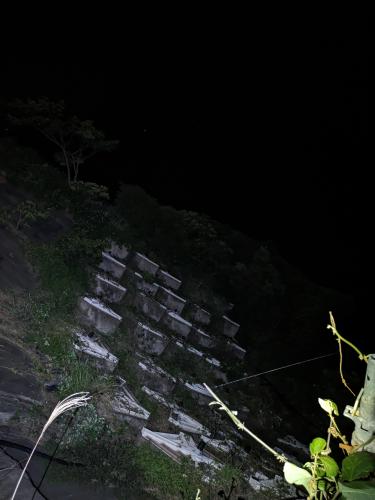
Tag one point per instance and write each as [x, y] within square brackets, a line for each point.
[158, 323]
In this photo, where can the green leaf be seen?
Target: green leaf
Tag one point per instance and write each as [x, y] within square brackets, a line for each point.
[357, 490]
[358, 466]
[328, 406]
[317, 445]
[297, 475]
[322, 485]
[330, 466]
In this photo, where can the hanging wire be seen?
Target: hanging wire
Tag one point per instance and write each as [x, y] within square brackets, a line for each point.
[276, 369]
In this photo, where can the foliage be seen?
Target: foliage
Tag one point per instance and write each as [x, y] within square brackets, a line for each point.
[322, 477]
[64, 281]
[76, 140]
[170, 479]
[71, 402]
[20, 216]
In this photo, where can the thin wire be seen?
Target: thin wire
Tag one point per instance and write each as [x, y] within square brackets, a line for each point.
[276, 369]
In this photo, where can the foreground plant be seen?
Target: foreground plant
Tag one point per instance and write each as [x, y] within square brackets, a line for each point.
[322, 477]
[72, 402]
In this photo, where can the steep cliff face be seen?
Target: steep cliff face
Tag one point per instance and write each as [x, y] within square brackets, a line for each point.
[143, 341]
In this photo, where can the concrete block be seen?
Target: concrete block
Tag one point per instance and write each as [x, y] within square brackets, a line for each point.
[178, 446]
[89, 347]
[154, 376]
[168, 280]
[177, 324]
[112, 266]
[171, 301]
[229, 327]
[198, 336]
[108, 289]
[118, 251]
[143, 264]
[125, 405]
[149, 307]
[147, 288]
[132, 278]
[235, 350]
[150, 341]
[98, 315]
[186, 423]
[199, 315]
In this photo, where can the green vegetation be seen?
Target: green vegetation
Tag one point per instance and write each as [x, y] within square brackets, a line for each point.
[168, 479]
[76, 140]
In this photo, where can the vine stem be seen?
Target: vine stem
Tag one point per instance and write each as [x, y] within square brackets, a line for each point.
[241, 425]
[332, 327]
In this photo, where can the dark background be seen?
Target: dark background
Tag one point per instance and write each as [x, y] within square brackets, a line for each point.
[268, 133]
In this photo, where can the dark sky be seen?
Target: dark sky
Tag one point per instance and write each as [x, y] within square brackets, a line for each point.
[267, 133]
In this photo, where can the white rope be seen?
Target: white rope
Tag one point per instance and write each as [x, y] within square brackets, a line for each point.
[276, 369]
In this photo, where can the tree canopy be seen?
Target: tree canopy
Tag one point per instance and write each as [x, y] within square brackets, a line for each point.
[76, 140]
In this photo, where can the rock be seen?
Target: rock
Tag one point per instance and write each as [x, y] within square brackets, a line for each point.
[52, 386]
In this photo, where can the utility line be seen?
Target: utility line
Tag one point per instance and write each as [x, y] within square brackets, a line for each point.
[276, 369]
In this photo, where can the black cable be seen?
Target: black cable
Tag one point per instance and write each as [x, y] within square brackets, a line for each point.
[27, 473]
[55, 451]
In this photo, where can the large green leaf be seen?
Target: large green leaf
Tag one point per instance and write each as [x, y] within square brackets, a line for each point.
[357, 490]
[329, 406]
[297, 475]
[317, 445]
[330, 466]
[358, 466]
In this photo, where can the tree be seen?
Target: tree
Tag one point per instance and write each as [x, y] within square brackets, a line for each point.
[77, 140]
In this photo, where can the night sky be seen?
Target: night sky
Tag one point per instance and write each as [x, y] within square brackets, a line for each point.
[266, 133]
